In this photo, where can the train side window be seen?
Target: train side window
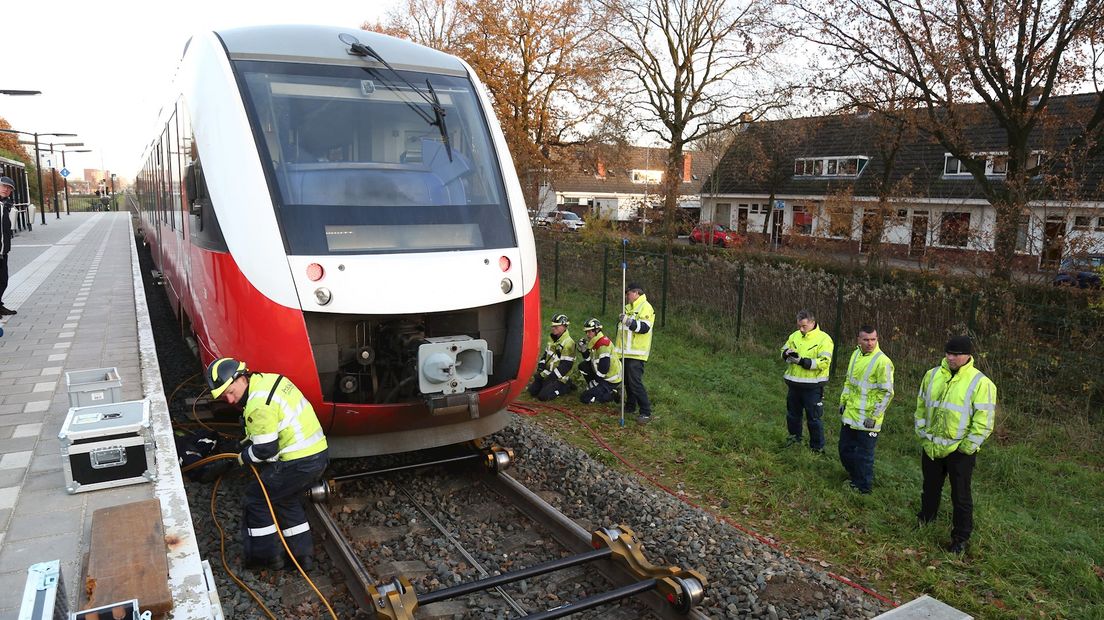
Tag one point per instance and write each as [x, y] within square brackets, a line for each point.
[204, 225]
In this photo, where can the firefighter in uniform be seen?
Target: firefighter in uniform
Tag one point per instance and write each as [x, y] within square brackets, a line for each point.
[555, 371]
[867, 392]
[600, 367]
[808, 351]
[284, 435]
[955, 410]
[634, 342]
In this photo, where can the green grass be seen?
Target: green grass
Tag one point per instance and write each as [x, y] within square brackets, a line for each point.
[1038, 544]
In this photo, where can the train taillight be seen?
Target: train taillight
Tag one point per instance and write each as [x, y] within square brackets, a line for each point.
[504, 263]
[315, 272]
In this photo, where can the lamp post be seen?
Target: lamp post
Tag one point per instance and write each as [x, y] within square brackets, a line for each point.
[113, 205]
[38, 164]
[53, 177]
[65, 179]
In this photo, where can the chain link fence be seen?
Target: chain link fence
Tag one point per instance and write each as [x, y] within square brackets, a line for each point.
[1044, 349]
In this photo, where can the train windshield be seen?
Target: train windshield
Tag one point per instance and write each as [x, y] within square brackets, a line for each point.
[360, 166]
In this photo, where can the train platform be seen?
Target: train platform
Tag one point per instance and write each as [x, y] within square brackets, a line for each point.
[78, 291]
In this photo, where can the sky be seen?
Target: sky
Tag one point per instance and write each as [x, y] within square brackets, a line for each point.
[105, 67]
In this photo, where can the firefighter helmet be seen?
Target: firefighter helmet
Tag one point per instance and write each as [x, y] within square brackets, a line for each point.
[560, 319]
[222, 372]
[592, 324]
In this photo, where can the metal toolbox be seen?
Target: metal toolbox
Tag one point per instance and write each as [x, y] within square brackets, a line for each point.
[107, 446]
[95, 386]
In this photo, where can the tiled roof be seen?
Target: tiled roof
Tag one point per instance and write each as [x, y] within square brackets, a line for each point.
[582, 176]
[918, 170]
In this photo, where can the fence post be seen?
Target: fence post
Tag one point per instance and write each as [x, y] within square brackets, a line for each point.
[605, 277]
[971, 321]
[556, 274]
[740, 302]
[663, 311]
[839, 323]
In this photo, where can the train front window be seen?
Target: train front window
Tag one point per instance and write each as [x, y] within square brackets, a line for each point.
[359, 167]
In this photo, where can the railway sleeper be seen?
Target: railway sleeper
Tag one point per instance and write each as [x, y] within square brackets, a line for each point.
[682, 588]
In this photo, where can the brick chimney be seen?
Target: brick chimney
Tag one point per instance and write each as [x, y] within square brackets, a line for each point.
[686, 177]
[601, 169]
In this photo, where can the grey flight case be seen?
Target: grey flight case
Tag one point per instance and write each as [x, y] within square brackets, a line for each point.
[105, 446]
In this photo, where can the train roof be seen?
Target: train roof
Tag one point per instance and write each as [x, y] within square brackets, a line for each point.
[320, 44]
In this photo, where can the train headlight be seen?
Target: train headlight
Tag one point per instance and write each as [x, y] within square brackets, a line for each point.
[507, 285]
[453, 364]
[322, 295]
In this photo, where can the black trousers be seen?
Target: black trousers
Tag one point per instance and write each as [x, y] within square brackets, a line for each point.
[856, 452]
[548, 388]
[960, 468]
[806, 401]
[3, 277]
[285, 482]
[635, 394]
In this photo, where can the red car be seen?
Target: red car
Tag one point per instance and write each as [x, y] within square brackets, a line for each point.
[722, 237]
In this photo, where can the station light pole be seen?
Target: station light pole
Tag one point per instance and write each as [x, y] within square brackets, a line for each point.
[38, 163]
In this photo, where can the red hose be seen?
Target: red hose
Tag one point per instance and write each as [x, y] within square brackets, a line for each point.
[533, 409]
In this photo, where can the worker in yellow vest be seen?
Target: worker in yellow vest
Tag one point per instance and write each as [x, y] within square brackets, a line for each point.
[555, 373]
[600, 367]
[808, 353]
[634, 344]
[955, 412]
[867, 392]
[284, 438]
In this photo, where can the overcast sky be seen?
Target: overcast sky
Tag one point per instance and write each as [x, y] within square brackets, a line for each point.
[105, 66]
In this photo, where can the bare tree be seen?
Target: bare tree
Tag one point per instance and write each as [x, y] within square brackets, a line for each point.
[691, 60]
[432, 23]
[1011, 56]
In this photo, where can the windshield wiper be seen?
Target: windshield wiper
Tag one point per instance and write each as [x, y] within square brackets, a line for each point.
[360, 49]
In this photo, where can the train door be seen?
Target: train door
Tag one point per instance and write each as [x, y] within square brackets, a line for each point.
[918, 238]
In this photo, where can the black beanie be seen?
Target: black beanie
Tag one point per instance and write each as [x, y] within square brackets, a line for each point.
[960, 345]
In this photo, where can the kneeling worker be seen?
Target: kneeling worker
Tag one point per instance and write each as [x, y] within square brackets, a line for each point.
[600, 367]
[282, 432]
[554, 372]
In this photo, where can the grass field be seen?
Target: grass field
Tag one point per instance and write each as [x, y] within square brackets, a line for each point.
[1038, 545]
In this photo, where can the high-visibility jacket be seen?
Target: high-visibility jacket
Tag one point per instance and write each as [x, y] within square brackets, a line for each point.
[634, 335]
[955, 411]
[599, 353]
[279, 421]
[560, 357]
[814, 345]
[868, 390]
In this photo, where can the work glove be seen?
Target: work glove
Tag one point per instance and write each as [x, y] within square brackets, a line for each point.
[628, 321]
[807, 363]
[583, 344]
[791, 356]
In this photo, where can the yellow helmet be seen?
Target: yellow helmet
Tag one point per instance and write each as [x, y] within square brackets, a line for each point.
[222, 372]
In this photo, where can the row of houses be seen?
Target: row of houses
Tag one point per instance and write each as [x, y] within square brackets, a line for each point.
[851, 182]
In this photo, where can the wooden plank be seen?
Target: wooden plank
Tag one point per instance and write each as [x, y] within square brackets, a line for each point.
[128, 558]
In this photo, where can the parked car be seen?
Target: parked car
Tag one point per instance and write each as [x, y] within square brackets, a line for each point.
[721, 236]
[1080, 271]
[562, 220]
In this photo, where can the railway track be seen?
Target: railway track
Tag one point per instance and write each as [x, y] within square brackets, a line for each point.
[452, 513]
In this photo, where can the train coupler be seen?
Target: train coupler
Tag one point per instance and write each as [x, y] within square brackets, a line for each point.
[683, 588]
[394, 600]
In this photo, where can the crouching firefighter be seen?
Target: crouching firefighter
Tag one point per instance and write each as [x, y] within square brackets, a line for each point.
[555, 371]
[600, 367]
[285, 442]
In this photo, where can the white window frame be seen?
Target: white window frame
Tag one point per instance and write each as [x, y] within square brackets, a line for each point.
[830, 166]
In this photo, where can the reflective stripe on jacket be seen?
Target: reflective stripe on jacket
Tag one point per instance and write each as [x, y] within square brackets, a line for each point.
[954, 412]
[815, 345]
[635, 342]
[280, 421]
[867, 390]
[560, 357]
[600, 353]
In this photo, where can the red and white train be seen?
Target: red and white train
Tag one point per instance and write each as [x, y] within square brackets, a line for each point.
[340, 207]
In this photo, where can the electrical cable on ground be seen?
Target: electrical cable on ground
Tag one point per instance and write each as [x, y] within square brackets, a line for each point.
[280, 534]
[532, 409]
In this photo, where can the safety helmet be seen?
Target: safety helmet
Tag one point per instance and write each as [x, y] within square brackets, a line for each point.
[560, 319]
[222, 372]
[594, 324]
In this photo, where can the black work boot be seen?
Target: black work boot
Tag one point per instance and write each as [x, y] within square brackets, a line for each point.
[957, 546]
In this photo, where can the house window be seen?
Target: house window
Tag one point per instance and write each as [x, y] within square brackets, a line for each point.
[1023, 237]
[1081, 222]
[647, 176]
[952, 165]
[954, 229]
[999, 164]
[839, 221]
[830, 166]
[802, 221]
[1100, 224]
